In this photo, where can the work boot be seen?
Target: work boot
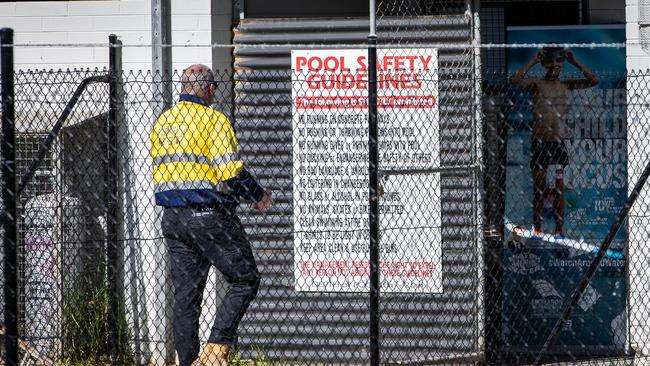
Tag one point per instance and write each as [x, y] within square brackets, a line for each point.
[215, 354]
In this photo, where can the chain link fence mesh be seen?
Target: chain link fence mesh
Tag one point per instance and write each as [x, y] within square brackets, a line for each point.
[412, 8]
[463, 184]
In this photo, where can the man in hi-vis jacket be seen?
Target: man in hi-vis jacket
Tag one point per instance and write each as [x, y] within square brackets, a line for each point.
[199, 180]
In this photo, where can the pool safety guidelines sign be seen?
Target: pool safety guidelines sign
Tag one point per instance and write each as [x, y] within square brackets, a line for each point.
[330, 170]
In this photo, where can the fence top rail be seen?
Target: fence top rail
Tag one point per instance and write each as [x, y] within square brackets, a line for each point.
[460, 45]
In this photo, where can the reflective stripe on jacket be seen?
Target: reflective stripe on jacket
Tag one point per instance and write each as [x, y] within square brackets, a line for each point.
[194, 150]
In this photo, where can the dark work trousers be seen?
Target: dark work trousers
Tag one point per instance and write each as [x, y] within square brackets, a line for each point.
[197, 239]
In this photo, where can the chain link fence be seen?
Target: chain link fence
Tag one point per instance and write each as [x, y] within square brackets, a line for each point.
[495, 189]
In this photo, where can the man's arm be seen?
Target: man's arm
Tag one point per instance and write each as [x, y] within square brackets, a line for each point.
[518, 78]
[241, 183]
[245, 186]
[590, 78]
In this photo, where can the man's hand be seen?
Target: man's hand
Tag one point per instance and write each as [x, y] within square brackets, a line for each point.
[265, 203]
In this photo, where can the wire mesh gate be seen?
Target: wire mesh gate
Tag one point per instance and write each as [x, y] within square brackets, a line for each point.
[65, 225]
[64, 232]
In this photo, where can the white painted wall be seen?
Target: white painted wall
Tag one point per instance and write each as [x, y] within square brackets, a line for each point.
[83, 22]
[638, 63]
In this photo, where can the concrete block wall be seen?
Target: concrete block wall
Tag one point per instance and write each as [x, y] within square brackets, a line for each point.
[90, 22]
[637, 59]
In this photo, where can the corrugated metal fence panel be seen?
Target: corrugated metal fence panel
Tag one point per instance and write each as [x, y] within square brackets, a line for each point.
[333, 327]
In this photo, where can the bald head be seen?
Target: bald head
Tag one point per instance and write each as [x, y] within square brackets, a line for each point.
[198, 80]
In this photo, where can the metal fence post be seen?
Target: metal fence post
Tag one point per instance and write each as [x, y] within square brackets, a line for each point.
[162, 99]
[8, 158]
[373, 156]
[494, 187]
[161, 61]
[112, 251]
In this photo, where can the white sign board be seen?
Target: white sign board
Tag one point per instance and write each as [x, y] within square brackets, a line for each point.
[330, 170]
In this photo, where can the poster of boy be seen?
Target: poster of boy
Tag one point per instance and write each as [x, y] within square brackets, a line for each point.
[566, 180]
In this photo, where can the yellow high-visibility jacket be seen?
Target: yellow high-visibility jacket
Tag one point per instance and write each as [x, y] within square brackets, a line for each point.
[194, 150]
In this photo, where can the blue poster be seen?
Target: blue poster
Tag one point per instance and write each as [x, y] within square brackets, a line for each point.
[566, 180]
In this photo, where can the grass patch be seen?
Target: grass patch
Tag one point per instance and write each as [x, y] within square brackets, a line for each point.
[261, 359]
[85, 324]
